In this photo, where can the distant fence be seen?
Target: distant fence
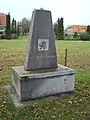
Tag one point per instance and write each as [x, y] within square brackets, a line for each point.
[74, 59]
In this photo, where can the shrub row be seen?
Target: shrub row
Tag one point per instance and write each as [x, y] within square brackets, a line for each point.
[81, 36]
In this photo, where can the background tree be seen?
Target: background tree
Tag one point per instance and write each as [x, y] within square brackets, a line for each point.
[13, 29]
[12, 26]
[25, 24]
[8, 26]
[18, 30]
[56, 29]
[75, 35]
[88, 29]
[59, 29]
[15, 26]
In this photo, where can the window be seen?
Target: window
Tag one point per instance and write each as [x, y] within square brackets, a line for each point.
[1, 28]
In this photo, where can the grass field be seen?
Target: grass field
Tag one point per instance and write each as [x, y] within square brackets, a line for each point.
[74, 106]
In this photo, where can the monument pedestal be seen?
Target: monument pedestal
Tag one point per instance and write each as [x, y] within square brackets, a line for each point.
[41, 83]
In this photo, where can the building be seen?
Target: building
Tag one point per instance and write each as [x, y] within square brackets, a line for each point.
[2, 19]
[2, 25]
[70, 30]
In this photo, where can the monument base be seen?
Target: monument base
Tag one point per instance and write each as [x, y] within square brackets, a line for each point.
[35, 84]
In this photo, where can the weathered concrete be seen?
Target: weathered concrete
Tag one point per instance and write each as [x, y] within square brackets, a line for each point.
[41, 76]
[41, 51]
[19, 104]
[36, 84]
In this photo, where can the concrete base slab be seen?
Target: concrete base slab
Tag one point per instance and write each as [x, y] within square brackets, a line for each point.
[41, 83]
[16, 99]
[20, 104]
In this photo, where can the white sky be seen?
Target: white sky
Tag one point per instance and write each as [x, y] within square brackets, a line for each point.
[73, 11]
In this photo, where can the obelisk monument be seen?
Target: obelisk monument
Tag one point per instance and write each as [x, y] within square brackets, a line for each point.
[41, 51]
[41, 76]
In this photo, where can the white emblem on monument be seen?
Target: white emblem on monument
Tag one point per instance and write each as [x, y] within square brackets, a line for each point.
[43, 44]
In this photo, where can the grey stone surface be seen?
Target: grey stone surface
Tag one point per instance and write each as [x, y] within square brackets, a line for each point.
[41, 51]
[33, 85]
[20, 104]
[41, 76]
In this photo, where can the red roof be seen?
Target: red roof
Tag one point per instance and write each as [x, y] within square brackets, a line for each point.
[2, 14]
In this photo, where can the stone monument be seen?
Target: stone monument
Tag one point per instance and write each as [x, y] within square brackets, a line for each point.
[41, 75]
[41, 52]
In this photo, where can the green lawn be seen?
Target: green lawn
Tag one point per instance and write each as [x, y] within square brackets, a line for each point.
[74, 106]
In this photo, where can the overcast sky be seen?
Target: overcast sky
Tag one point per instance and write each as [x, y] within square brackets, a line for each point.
[73, 11]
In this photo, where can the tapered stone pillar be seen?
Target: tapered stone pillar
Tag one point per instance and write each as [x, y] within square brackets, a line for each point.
[41, 51]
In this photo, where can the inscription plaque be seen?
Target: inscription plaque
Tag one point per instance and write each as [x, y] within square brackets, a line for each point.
[43, 44]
